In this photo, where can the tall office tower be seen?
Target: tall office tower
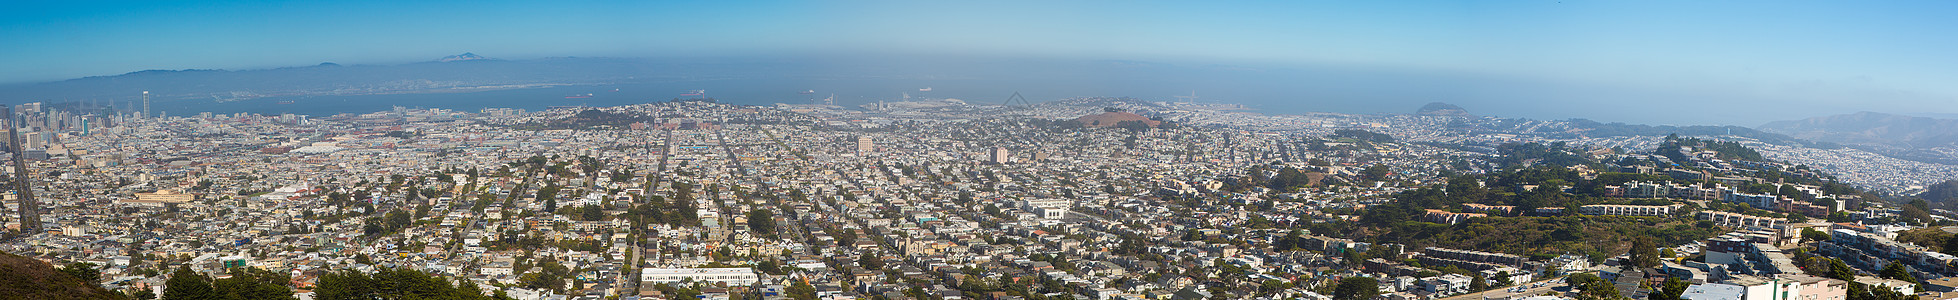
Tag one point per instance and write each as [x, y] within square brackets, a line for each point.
[1000, 155]
[30, 209]
[34, 140]
[864, 145]
[146, 103]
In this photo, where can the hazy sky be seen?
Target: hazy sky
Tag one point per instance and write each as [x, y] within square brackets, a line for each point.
[1892, 55]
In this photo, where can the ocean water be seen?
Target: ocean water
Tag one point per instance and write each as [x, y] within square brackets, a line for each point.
[1272, 91]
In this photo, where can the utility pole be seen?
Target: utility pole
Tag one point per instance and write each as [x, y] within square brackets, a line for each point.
[30, 209]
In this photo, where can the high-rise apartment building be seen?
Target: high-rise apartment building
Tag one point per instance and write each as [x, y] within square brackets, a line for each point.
[865, 145]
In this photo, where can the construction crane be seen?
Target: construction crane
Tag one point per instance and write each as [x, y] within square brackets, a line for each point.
[1192, 98]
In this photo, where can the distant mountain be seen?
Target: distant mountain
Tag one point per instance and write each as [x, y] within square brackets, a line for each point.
[1441, 109]
[27, 278]
[1871, 128]
[464, 72]
[1596, 129]
[462, 57]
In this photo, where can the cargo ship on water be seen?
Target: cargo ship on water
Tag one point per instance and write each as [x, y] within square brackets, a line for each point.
[578, 96]
[694, 93]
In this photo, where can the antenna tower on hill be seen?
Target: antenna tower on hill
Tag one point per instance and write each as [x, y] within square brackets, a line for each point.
[1017, 99]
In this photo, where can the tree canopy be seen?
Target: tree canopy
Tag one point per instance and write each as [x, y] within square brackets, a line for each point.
[393, 284]
[1356, 288]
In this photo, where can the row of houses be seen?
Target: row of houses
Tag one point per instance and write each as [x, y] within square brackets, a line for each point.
[1872, 252]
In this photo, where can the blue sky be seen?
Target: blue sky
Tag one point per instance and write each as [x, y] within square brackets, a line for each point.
[1842, 55]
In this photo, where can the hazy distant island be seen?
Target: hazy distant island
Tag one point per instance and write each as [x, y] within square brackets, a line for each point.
[1442, 109]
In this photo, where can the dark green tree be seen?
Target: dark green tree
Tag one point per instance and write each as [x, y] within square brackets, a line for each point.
[591, 213]
[421, 210]
[142, 294]
[1644, 253]
[762, 222]
[84, 271]
[1812, 235]
[1289, 242]
[185, 284]
[1670, 290]
[344, 285]
[1376, 172]
[769, 266]
[801, 290]
[1465, 189]
[1356, 288]
[1839, 270]
[1593, 287]
[1951, 245]
[1896, 271]
[548, 194]
[870, 262]
[373, 229]
[394, 284]
[1839, 217]
[1269, 286]
[397, 220]
[252, 284]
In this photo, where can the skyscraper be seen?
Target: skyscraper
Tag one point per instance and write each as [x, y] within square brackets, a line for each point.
[864, 145]
[999, 155]
[34, 140]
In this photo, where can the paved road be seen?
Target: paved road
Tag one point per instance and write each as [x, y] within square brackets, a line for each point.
[1549, 285]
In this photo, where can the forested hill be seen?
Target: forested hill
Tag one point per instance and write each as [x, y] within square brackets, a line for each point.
[27, 278]
[1943, 194]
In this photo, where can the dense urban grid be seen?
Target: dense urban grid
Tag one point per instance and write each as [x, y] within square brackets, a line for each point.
[1086, 198]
